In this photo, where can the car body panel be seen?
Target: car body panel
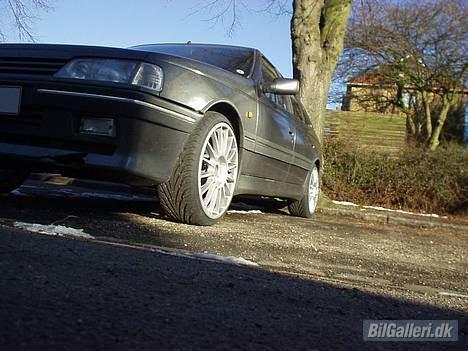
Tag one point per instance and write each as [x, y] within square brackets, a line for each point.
[277, 150]
[275, 141]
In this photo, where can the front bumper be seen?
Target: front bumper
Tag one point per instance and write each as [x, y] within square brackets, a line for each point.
[150, 132]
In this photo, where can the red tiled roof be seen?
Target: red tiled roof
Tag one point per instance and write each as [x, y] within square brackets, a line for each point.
[377, 79]
[368, 78]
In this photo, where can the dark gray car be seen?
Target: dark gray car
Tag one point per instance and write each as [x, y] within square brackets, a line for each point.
[202, 122]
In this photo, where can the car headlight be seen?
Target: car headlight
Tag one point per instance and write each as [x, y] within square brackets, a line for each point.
[116, 71]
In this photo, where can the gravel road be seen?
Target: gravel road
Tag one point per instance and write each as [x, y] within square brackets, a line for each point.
[136, 287]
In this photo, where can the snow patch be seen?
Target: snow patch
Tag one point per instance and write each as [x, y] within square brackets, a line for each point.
[238, 261]
[225, 259]
[378, 208]
[245, 207]
[344, 203]
[57, 230]
[18, 193]
[245, 212]
[452, 294]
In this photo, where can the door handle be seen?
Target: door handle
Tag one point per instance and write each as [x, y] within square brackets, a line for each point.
[292, 135]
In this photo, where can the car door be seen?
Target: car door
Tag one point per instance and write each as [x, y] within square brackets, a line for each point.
[302, 161]
[275, 131]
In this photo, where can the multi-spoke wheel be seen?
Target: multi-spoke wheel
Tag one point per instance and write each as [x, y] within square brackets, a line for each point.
[306, 206]
[203, 183]
[11, 179]
[217, 171]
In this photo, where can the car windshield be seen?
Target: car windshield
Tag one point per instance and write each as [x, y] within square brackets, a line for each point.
[233, 59]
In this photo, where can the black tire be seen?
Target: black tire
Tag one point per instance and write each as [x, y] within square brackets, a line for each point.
[11, 179]
[305, 207]
[180, 195]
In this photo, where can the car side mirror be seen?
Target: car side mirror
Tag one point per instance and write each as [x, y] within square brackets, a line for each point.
[282, 86]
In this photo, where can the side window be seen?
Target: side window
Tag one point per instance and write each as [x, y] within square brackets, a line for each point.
[269, 73]
[305, 116]
[283, 101]
[296, 109]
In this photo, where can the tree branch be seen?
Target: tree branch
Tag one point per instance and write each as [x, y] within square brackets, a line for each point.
[22, 14]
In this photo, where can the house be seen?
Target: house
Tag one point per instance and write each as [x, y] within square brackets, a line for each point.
[372, 92]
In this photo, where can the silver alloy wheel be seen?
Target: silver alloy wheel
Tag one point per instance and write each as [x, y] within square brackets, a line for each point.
[217, 170]
[314, 189]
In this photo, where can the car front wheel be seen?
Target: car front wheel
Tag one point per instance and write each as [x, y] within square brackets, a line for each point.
[11, 179]
[306, 206]
[203, 183]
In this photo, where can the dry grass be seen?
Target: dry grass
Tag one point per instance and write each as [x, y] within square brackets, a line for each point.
[416, 179]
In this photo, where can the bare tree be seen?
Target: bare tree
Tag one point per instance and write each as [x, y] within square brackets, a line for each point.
[317, 32]
[229, 12]
[418, 47]
[21, 14]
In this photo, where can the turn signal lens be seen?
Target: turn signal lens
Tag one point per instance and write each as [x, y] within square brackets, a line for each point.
[149, 76]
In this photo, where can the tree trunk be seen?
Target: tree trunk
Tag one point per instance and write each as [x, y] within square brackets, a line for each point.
[317, 33]
[434, 140]
[410, 128]
[427, 115]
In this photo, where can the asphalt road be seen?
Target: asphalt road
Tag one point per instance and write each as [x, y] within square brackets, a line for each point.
[136, 287]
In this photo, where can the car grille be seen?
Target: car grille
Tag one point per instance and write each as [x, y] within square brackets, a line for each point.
[30, 66]
[23, 120]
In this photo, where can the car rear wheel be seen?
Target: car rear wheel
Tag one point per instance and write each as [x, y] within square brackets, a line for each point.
[306, 206]
[11, 179]
[203, 183]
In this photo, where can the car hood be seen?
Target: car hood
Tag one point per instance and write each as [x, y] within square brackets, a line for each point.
[210, 81]
[67, 52]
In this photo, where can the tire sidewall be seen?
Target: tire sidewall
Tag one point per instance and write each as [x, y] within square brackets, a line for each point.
[310, 211]
[207, 124]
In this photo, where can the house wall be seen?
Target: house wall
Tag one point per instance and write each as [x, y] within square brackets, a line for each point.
[363, 98]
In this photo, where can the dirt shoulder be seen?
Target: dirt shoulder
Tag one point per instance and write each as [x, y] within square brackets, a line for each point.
[59, 293]
[334, 268]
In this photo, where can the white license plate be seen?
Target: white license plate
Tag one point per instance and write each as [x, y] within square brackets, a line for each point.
[10, 99]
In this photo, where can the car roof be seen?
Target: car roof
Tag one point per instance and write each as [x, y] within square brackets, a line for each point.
[207, 45]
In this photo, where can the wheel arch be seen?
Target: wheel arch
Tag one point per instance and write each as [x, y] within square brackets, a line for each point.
[232, 114]
[318, 164]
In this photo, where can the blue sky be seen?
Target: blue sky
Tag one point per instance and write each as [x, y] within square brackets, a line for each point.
[122, 23]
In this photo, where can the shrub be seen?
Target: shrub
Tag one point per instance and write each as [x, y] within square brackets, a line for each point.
[415, 179]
